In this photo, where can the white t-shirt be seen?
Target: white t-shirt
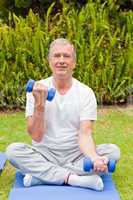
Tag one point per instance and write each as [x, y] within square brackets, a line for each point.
[63, 115]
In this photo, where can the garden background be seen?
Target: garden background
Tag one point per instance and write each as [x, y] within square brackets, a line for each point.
[102, 34]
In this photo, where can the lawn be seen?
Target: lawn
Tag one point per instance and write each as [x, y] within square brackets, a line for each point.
[114, 125]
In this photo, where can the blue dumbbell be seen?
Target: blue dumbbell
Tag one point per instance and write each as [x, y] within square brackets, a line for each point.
[51, 92]
[88, 165]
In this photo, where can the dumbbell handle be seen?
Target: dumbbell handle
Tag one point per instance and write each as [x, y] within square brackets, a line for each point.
[88, 165]
[29, 88]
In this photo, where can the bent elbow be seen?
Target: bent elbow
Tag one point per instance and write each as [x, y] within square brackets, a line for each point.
[37, 139]
[36, 135]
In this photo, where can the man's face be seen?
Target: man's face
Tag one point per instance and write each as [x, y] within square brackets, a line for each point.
[62, 61]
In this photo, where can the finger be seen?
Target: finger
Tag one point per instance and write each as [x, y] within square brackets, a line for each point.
[97, 168]
[37, 86]
[100, 167]
[105, 169]
[105, 160]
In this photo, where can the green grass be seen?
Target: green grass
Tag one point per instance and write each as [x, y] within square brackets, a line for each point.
[114, 125]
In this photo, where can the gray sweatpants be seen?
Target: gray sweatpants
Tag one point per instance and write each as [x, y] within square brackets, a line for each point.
[47, 166]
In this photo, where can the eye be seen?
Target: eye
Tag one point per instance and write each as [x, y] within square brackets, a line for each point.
[66, 55]
[57, 55]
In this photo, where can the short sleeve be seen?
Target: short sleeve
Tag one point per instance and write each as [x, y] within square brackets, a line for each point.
[88, 107]
[29, 104]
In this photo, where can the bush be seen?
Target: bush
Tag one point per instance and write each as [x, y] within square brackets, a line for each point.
[104, 44]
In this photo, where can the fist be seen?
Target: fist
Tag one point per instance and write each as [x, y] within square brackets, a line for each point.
[100, 164]
[40, 93]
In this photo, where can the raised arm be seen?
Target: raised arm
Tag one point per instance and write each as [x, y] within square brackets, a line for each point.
[36, 124]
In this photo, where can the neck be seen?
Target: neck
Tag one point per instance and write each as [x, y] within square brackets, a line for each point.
[62, 85]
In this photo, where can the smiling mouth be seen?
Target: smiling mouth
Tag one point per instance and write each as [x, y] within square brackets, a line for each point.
[61, 67]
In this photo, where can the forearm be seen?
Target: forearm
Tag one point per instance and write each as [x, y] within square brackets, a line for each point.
[37, 124]
[87, 145]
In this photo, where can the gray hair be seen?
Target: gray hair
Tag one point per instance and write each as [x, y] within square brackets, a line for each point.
[61, 41]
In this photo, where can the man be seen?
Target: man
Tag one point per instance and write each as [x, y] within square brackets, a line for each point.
[61, 130]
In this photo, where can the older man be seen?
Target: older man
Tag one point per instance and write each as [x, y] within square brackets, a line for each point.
[61, 130]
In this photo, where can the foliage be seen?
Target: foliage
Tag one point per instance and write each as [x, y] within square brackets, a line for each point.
[23, 3]
[102, 36]
[22, 7]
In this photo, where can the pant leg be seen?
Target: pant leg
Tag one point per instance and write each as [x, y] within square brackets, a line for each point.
[112, 151]
[27, 159]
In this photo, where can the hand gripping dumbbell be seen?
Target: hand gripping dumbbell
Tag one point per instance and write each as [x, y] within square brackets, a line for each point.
[88, 165]
[29, 88]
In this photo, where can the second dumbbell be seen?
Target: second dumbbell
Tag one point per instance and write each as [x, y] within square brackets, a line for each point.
[88, 165]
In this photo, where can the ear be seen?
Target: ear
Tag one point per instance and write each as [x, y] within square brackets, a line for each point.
[49, 63]
[74, 64]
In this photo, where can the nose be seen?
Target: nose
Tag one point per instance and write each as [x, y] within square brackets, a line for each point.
[61, 60]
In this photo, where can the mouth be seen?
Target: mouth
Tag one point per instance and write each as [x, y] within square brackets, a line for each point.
[61, 67]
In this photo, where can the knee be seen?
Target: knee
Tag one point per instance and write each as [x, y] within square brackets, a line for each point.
[115, 152]
[12, 150]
